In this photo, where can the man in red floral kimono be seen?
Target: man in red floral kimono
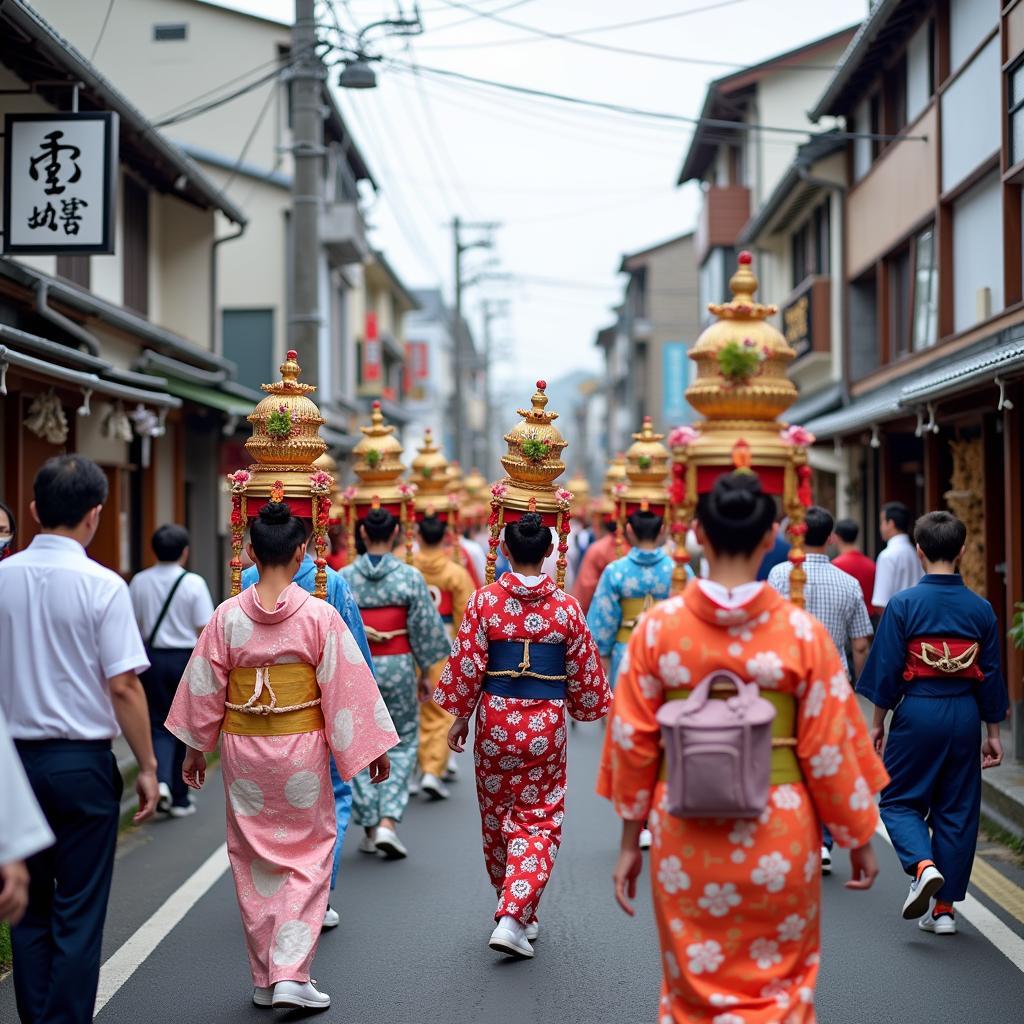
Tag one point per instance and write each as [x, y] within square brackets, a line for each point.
[522, 656]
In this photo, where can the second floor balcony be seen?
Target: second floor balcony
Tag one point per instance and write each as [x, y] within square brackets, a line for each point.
[724, 212]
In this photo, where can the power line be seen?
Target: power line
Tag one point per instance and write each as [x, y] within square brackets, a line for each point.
[103, 30]
[248, 142]
[204, 108]
[475, 13]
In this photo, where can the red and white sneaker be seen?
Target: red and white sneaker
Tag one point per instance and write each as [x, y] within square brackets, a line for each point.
[939, 921]
[928, 882]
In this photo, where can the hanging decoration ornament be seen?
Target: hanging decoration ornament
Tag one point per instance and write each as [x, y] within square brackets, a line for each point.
[741, 389]
[532, 464]
[46, 418]
[283, 469]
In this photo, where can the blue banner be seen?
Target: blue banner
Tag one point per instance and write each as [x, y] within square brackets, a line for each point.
[676, 367]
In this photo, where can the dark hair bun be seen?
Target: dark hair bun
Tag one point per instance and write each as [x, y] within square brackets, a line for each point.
[275, 513]
[378, 517]
[530, 524]
[737, 496]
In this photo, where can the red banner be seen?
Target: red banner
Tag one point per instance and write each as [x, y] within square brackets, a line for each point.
[371, 350]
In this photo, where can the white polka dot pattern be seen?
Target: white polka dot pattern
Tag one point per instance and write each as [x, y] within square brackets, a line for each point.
[294, 940]
[246, 797]
[267, 878]
[238, 627]
[201, 680]
[302, 790]
[343, 732]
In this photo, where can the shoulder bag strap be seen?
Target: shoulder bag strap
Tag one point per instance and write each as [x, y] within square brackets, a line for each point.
[163, 610]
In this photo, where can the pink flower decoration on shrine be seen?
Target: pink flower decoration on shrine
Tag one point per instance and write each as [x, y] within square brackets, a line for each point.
[799, 437]
[619, 490]
[681, 436]
[349, 494]
[320, 482]
[499, 491]
[239, 480]
[563, 496]
[407, 490]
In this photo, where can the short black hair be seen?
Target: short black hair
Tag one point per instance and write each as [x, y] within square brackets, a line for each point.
[10, 517]
[275, 534]
[736, 514]
[819, 523]
[940, 535]
[898, 514]
[528, 539]
[646, 525]
[169, 541]
[432, 530]
[379, 525]
[847, 530]
[66, 489]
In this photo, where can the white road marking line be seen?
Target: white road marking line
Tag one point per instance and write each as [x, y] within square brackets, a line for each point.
[126, 961]
[1007, 941]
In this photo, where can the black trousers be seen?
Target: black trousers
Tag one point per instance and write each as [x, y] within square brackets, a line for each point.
[160, 681]
[57, 944]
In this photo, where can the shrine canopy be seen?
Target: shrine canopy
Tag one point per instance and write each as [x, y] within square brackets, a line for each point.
[741, 392]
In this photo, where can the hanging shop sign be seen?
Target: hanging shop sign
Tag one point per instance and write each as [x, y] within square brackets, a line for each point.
[59, 193]
[372, 354]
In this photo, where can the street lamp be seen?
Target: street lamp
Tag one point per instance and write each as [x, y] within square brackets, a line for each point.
[357, 74]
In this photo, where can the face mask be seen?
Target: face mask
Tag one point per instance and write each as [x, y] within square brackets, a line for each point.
[5, 543]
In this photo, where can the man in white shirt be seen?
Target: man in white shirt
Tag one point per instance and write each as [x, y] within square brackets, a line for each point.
[72, 654]
[171, 607]
[898, 565]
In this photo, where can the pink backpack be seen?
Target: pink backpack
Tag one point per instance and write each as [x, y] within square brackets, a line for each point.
[719, 751]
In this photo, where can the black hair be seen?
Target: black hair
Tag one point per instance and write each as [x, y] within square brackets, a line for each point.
[940, 535]
[10, 518]
[169, 541]
[819, 523]
[847, 531]
[898, 514]
[432, 530]
[646, 525]
[610, 525]
[736, 514]
[66, 489]
[378, 525]
[528, 539]
[275, 534]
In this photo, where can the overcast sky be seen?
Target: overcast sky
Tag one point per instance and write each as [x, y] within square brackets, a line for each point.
[574, 189]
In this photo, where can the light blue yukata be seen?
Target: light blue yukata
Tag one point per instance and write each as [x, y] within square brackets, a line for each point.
[639, 574]
[382, 581]
[338, 595]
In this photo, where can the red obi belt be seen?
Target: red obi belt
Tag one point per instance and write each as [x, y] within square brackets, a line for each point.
[387, 629]
[931, 657]
[444, 602]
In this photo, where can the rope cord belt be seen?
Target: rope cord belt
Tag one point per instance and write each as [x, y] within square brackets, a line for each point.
[380, 636]
[250, 707]
[517, 669]
[524, 669]
[387, 629]
[272, 700]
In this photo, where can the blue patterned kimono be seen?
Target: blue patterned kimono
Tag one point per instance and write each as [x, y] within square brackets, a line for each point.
[384, 583]
[338, 595]
[639, 574]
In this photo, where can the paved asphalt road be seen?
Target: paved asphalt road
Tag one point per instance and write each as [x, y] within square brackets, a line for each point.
[411, 948]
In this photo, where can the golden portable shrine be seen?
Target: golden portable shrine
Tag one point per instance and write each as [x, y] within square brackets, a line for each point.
[646, 467]
[285, 443]
[532, 464]
[741, 390]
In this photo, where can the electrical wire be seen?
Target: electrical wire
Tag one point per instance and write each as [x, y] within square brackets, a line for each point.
[103, 30]
[203, 108]
[233, 173]
[475, 15]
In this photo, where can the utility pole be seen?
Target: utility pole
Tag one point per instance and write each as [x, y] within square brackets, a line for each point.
[491, 310]
[458, 329]
[307, 77]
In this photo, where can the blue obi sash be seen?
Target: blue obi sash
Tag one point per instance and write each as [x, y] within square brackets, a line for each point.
[523, 669]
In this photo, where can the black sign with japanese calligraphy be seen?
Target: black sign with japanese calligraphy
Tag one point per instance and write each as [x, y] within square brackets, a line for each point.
[59, 183]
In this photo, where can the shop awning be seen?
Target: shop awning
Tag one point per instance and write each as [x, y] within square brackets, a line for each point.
[816, 404]
[880, 405]
[209, 397]
[966, 372]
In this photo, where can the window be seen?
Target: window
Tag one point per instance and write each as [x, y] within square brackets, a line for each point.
[971, 118]
[810, 246]
[864, 354]
[969, 22]
[896, 98]
[926, 304]
[135, 245]
[978, 253]
[170, 33]
[74, 269]
[713, 279]
[898, 269]
[1016, 95]
[248, 341]
[862, 147]
[920, 69]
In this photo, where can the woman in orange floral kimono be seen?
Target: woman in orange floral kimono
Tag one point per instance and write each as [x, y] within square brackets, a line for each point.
[737, 901]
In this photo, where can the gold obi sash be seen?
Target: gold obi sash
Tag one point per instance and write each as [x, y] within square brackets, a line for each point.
[785, 766]
[272, 700]
[632, 609]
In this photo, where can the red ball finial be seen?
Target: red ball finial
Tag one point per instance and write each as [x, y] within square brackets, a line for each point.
[292, 354]
[745, 259]
[375, 405]
[541, 385]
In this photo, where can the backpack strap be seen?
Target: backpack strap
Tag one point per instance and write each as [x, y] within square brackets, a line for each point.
[167, 604]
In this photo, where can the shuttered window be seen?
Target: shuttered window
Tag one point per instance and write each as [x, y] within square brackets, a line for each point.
[135, 246]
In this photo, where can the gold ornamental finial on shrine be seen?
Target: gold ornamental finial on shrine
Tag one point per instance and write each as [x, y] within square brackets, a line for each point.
[430, 473]
[580, 487]
[646, 468]
[475, 485]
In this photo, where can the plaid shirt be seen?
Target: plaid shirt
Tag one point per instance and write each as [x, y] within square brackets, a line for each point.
[832, 596]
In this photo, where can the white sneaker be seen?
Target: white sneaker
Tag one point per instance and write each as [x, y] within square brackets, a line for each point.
[331, 918]
[434, 787]
[646, 839]
[367, 843]
[388, 843]
[303, 994]
[826, 861]
[262, 996]
[944, 924]
[510, 938]
[451, 773]
[533, 930]
[163, 803]
[182, 810]
[414, 784]
[921, 892]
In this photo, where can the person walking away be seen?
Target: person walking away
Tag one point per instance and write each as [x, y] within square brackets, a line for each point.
[172, 605]
[778, 554]
[406, 636]
[737, 901]
[70, 682]
[836, 601]
[524, 657]
[8, 532]
[450, 587]
[598, 556]
[25, 830]
[898, 566]
[275, 645]
[340, 598]
[936, 662]
[852, 560]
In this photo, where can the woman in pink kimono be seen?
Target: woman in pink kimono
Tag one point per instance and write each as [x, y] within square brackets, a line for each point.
[277, 672]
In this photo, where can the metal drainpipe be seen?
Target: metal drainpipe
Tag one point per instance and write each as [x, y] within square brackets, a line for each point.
[47, 312]
[214, 245]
